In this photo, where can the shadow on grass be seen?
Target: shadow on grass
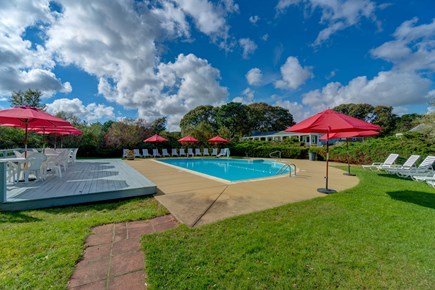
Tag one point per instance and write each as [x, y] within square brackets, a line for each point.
[16, 217]
[418, 197]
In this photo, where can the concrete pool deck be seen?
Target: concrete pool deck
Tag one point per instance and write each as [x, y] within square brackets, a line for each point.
[196, 200]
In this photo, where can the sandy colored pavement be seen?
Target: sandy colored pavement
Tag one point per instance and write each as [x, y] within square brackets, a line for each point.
[196, 200]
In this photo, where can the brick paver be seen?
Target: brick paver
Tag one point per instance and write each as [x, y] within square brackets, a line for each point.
[113, 258]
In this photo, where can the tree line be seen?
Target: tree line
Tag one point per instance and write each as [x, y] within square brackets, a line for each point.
[232, 121]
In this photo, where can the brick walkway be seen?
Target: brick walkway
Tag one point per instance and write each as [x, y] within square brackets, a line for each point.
[113, 258]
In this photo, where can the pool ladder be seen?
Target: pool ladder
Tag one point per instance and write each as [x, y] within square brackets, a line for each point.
[290, 166]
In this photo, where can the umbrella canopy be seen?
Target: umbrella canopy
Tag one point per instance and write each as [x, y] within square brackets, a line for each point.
[188, 139]
[155, 139]
[349, 134]
[28, 117]
[330, 121]
[218, 139]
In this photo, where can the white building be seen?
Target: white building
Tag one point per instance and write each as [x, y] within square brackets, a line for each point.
[309, 139]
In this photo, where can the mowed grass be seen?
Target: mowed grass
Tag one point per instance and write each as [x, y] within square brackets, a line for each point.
[380, 234]
[39, 249]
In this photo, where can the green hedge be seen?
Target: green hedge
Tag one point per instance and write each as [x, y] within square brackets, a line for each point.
[366, 152]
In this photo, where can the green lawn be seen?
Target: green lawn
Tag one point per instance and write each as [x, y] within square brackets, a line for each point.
[380, 234]
[39, 249]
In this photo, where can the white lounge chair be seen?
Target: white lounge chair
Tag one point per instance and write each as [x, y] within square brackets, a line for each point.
[198, 152]
[137, 153]
[431, 183]
[145, 153]
[424, 169]
[223, 152]
[409, 163]
[190, 152]
[214, 152]
[174, 152]
[205, 153]
[182, 152]
[156, 153]
[165, 153]
[383, 165]
[424, 178]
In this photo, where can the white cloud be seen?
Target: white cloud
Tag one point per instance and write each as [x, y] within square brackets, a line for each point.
[254, 76]
[413, 48]
[265, 37]
[247, 97]
[75, 106]
[388, 88]
[293, 74]
[298, 111]
[248, 47]
[254, 19]
[336, 15]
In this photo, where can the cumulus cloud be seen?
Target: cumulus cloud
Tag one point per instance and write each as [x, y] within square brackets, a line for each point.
[254, 19]
[254, 76]
[413, 47]
[336, 15]
[389, 88]
[293, 74]
[248, 47]
[299, 111]
[246, 97]
[75, 106]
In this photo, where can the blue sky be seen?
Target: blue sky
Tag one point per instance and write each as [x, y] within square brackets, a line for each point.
[106, 60]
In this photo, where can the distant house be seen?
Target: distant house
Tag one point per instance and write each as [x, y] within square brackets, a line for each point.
[309, 139]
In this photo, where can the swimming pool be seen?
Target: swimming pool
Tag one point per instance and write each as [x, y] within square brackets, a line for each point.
[229, 169]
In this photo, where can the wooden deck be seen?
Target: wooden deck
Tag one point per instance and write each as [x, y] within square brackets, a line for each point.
[84, 181]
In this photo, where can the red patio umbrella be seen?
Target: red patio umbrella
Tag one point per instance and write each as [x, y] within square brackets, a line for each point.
[348, 135]
[155, 139]
[64, 130]
[188, 139]
[28, 117]
[330, 121]
[218, 139]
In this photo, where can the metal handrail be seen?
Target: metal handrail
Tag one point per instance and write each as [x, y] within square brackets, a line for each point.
[274, 152]
[289, 166]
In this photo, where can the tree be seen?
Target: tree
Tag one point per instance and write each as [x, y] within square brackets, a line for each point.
[234, 116]
[360, 111]
[158, 125]
[265, 118]
[201, 114]
[406, 122]
[70, 117]
[28, 98]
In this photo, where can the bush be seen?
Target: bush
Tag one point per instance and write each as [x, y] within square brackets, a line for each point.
[264, 148]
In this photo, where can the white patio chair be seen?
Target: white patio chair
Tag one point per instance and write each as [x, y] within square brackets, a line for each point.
[53, 166]
[214, 152]
[35, 164]
[190, 152]
[73, 155]
[383, 165]
[156, 153]
[137, 153]
[18, 154]
[12, 172]
[124, 153]
[145, 153]
[205, 153]
[165, 153]
[174, 152]
[409, 163]
[182, 152]
[198, 152]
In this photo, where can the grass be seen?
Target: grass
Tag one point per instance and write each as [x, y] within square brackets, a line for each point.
[39, 249]
[380, 234]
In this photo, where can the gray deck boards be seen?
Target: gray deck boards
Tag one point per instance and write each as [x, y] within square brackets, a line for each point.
[84, 181]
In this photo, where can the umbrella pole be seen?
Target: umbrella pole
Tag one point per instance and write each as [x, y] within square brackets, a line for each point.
[348, 160]
[25, 139]
[326, 189]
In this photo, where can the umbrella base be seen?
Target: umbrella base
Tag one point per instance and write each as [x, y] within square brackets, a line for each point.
[326, 190]
[349, 174]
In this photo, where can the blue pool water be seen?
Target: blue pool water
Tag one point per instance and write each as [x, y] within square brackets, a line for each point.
[230, 169]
